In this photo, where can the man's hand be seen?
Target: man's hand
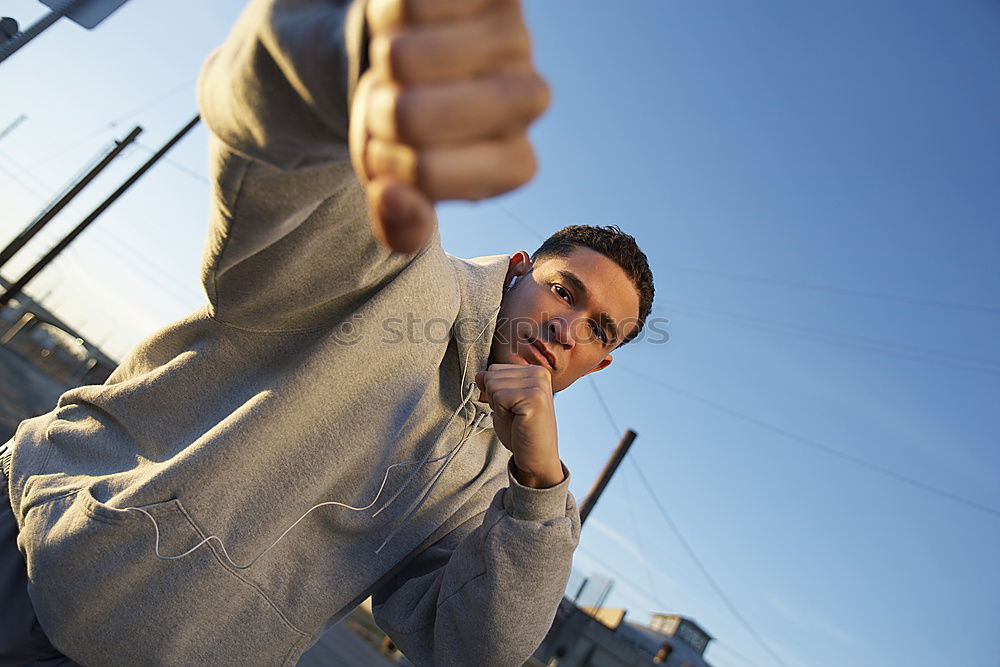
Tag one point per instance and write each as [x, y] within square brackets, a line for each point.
[443, 111]
[524, 419]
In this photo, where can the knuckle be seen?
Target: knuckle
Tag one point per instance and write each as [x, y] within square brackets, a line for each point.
[407, 115]
[425, 179]
[391, 53]
[407, 56]
[509, 36]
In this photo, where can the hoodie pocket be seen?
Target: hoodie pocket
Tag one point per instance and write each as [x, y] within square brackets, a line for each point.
[104, 596]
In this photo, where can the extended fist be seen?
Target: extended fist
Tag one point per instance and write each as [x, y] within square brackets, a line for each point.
[524, 419]
[443, 111]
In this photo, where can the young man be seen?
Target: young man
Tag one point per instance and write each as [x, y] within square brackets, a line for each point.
[252, 472]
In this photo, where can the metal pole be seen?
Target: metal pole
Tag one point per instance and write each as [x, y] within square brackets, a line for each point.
[602, 481]
[46, 216]
[8, 48]
[19, 284]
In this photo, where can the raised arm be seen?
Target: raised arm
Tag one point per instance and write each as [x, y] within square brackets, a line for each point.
[291, 102]
[289, 238]
[443, 110]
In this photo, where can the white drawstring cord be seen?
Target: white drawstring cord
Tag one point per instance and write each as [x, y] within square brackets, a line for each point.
[413, 475]
[208, 539]
[466, 399]
[419, 502]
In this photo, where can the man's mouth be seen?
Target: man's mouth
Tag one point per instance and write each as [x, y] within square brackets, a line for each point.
[541, 353]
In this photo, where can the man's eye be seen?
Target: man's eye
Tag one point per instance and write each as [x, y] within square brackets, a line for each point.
[563, 293]
[598, 331]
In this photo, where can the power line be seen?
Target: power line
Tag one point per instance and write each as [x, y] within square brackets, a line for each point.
[175, 164]
[182, 292]
[793, 436]
[14, 177]
[899, 477]
[518, 220]
[111, 124]
[726, 647]
[687, 547]
[628, 582]
[650, 598]
[834, 289]
[24, 171]
[914, 353]
[604, 405]
[708, 577]
[639, 540]
[628, 492]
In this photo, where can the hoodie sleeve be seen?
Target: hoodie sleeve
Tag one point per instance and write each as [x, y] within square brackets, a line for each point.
[487, 592]
[289, 240]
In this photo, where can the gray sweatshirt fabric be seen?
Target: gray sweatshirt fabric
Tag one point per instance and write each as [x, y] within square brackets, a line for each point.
[322, 370]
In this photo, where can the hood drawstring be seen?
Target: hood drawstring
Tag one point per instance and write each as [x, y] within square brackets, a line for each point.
[468, 433]
[419, 501]
[465, 402]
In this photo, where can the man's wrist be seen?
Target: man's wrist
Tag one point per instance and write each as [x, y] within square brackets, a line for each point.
[541, 479]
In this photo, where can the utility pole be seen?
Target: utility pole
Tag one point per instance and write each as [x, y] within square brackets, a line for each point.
[602, 481]
[19, 284]
[61, 202]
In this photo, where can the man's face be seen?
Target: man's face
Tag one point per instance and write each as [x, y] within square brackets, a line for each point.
[566, 314]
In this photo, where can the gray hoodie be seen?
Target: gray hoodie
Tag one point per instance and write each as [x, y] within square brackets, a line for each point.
[197, 508]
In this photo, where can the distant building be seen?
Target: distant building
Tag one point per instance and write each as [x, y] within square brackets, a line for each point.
[601, 637]
[672, 641]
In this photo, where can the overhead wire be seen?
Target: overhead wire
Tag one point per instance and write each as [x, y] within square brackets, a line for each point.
[628, 494]
[684, 543]
[816, 445]
[915, 353]
[175, 163]
[113, 123]
[12, 176]
[520, 223]
[726, 647]
[624, 579]
[697, 561]
[795, 284]
[179, 290]
[835, 289]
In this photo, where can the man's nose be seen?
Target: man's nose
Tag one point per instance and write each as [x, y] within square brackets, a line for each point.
[560, 331]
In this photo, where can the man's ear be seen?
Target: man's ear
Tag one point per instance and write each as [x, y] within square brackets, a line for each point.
[604, 363]
[519, 265]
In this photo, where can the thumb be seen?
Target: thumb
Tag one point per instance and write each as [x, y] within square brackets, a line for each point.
[402, 217]
[481, 383]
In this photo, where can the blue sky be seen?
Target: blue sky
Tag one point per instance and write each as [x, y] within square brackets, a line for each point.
[815, 186]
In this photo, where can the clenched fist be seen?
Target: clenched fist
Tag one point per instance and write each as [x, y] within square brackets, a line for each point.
[524, 419]
[443, 111]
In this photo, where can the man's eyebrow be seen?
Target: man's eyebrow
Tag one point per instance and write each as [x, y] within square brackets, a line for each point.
[606, 321]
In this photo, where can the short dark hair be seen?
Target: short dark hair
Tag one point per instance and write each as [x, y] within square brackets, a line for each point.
[617, 246]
